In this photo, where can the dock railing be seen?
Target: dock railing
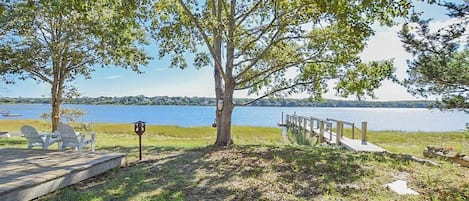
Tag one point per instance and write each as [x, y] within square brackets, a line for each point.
[307, 127]
[340, 128]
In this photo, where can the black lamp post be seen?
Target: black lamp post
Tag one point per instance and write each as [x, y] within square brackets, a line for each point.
[139, 128]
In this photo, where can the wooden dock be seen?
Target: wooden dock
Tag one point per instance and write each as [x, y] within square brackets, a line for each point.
[308, 127]
[27, 174]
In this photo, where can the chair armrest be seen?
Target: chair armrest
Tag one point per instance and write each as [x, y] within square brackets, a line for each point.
[43, 135]
[47, 138]
[56, 133]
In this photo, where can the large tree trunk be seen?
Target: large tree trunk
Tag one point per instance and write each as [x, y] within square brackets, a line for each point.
[224, 130]
[56, 101]
[224, 115]
[224, 126]
[55, 115]
[219, 113]
[60, 74]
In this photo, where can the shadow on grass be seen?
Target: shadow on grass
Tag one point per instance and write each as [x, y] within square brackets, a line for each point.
[234, 173]
[301, 137]
[247, 173]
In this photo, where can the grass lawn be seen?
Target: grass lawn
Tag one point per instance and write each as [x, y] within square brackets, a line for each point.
[180, 164]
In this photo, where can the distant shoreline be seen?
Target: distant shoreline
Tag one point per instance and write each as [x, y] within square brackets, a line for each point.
[204, 101]
[408, 119]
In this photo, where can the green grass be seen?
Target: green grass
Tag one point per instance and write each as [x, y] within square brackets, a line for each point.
[180, 164]
[414, 142]
[122, 137]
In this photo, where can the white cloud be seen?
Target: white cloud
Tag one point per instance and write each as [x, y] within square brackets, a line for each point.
[385, 44]
[111, 77]
[160, 69]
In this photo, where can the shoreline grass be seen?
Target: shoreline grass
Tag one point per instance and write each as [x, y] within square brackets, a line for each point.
[180, 164]
[115, 134]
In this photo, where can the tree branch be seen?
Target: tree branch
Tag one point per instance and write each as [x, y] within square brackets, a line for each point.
[244, 16]
[266, 71]
[77, 66]
[308, 60]
[37, 74]
[275, 91]
[46, 41]
[262, 32]
[255, 60]
[206, 40]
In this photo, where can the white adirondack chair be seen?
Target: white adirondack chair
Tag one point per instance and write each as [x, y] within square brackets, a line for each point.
[35, 139]
[71, 139]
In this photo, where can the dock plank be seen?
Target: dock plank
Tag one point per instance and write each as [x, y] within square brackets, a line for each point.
[350, 144]
[28, 174]
[357, 145]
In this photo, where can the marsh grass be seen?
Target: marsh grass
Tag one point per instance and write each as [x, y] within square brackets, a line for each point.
[415, 142]
[122, 135]
[180, 164]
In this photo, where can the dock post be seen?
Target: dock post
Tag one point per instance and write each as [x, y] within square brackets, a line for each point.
[364, 127]
[330, 132]
[311, 127]
[321, 132]
[298, 124]
[340, 128]
[282, 118]
[353, 131]
[294, 123]
[305, 132]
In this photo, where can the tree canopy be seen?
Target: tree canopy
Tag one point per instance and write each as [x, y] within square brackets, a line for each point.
[313, 41]
[57, 41]
[440, 64]
[275, 48]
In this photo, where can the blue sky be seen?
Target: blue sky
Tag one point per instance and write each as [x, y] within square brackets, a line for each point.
[160, 80]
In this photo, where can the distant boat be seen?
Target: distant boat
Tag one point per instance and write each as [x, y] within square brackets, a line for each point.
[8, 114]
[4, 134]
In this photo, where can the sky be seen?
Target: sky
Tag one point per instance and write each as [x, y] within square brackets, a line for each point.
[160, 80]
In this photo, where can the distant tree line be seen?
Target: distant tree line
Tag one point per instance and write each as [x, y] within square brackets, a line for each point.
[204, 101]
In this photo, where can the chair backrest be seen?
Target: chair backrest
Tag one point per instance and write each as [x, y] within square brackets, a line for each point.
[67, 134]
[31, 134]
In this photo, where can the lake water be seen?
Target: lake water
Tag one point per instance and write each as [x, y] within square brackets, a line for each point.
[405, 119]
